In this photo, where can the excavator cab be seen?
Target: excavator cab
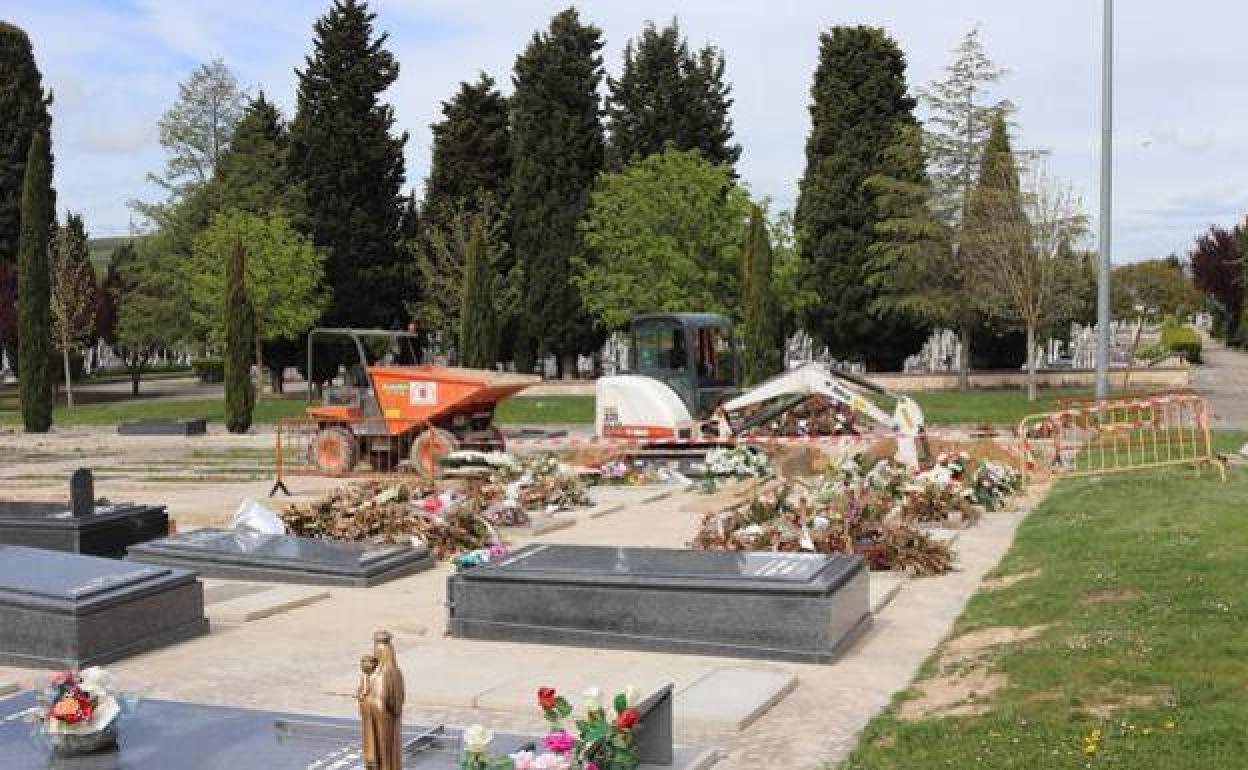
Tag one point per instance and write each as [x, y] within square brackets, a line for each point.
[694, 354]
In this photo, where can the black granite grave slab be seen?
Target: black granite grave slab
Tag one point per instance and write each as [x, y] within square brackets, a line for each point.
[779, 606]
[247, 555]
[65, 610]
[98, 530]
[163, 735]
[196, 427]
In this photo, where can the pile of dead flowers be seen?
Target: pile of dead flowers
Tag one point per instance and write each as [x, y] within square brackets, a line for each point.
[878, 508]
[448, 522]
[816, 416]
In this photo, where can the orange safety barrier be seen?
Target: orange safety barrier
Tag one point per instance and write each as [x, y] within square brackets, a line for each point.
[1119, 435]
[355, 447]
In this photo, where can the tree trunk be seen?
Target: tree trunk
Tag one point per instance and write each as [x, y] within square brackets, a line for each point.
[1031, 362]
[136, 372]
[964, 361]
[259, 364]
[69, 388]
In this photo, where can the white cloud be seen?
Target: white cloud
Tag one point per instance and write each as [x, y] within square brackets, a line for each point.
[1180, 146]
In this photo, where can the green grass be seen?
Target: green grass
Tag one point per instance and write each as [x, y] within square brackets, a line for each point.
[538, 410]
[1169, 552]
[999, 407]
[268, 410]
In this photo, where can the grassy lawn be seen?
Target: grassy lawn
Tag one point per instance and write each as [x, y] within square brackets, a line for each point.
[999, 407]
[539, 410]
[1137, 582]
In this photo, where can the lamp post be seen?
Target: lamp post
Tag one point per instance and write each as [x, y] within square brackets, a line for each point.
[1107, 199]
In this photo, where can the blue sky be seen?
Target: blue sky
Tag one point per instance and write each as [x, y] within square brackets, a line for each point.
[1182, 152]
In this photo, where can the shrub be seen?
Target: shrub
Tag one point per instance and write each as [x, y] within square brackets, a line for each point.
[209, 370]
[1183, 340]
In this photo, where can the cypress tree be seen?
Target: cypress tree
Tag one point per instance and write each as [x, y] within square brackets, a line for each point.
[666, 94]
[33, 288]
[254, 173]
[761, 317]
[24, 108]
[240, 391]
[557, 151]
[477, 318]
[350, 167]
[471, 148]
[859, 103]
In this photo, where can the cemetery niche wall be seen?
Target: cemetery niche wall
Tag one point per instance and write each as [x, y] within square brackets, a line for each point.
[82, 525]
[64, 610]
[248, 555]
[780, 606]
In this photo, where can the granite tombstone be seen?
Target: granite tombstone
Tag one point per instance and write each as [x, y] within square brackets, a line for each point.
[166, 734]
[781, 606]
[64, 610]
[81, 525]
[249, 555]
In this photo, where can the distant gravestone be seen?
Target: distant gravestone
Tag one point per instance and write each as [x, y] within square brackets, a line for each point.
[82, 493]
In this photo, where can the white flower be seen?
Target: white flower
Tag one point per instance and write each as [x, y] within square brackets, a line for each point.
[630, 696]
[477, 738]
[98, 681]
[593, 699]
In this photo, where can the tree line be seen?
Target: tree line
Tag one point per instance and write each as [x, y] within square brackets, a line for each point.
[552, 214]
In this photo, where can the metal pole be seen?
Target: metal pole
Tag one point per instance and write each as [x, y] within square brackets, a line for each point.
[1107, 199]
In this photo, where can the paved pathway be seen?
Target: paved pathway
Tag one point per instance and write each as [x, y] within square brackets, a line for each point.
[1223, 380]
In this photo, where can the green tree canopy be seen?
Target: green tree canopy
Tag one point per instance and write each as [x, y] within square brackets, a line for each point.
[350, 166]
[33, 287]
[284, 277]
[859, 103]
[478, 317]
[1155, 288]
[24, 108]
[240, 332]
[254, 173]
[762, 332]
[471, 148]
[557, 152]
[667, 94]
[664, 233]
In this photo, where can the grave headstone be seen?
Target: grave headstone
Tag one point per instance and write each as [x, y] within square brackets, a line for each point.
[167, 734]
[245, 554]
[781, 606]
[64, 610]
[81, 525]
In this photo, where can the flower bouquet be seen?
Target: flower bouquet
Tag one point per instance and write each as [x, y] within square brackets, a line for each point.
[78, 712]
[600, 742]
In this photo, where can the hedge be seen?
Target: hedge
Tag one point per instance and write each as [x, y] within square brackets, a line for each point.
[1182, 339]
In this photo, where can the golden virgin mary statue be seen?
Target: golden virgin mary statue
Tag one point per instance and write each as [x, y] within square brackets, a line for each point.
[381, 697]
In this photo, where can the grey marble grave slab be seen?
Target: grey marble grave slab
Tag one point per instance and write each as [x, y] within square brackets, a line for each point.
[162, 735]
[779, 606]
[66, 610]
[106, 530]
[247, 555]
[194, 427]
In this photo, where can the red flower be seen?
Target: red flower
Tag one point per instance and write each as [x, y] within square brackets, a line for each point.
[627, 718]
[546, 698]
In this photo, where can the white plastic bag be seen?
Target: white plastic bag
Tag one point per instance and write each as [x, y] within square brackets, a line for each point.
[257, 517]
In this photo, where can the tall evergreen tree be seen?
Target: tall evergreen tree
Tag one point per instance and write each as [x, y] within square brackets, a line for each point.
[761, 327]
[471, 148]
[665, 93]
[350, 167]
[33, 287]
[240, 335]
[24, 108]
[859, 103]
[557, 151]
[253, 175]
[477, 319]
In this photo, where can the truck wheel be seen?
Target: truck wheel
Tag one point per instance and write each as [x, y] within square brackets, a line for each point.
[428, 450]
[334, 451]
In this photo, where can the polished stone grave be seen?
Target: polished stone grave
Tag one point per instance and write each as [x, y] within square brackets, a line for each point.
[162, 735]
[63, 610]
[780, 606]
[82, 525]
[244, 554]
[196, 427]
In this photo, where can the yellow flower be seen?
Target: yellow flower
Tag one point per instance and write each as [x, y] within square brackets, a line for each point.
[1169, 724]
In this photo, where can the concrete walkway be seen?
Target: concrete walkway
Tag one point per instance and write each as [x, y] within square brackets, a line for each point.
[1223, 381]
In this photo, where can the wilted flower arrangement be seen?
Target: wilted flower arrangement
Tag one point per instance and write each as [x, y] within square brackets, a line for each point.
[993, 483]
[601, 742]
[737, 461]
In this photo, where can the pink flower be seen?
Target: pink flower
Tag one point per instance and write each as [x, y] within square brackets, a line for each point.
[591, 765]
[552, 762]
[523, 760]
[497, 551]
[559, 742]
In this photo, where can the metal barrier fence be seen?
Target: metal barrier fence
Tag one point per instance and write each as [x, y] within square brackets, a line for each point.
[1118, 435]
[359, 448]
